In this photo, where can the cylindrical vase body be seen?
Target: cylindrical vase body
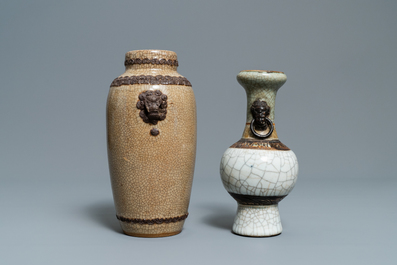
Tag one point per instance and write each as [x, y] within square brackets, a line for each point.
[151, 137]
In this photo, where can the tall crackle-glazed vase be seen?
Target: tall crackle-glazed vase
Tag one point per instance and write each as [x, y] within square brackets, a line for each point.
[259, 171]
[151, 137]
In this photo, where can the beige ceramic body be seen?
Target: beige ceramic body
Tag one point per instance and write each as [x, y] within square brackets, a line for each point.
[151, 176]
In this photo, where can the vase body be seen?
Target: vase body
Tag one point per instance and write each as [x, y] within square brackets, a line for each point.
[151, 137]
[259, 171]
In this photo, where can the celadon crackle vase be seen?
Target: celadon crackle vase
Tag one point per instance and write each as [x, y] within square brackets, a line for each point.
[259, 171]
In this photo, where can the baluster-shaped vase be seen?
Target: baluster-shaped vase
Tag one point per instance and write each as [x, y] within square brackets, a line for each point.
[151, 134]
[259, 171]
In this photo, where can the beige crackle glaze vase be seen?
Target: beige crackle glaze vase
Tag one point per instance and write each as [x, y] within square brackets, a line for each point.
[259, 171]
[151, 136]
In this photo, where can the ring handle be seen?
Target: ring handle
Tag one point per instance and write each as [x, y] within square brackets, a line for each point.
[271, 128]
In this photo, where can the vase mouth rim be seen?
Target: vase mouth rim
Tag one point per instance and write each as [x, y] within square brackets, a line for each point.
[151, 50]
[151, 54]
[263, 71]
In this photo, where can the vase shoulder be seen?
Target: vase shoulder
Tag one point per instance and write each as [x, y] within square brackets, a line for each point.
[249, 143]
[153, 67]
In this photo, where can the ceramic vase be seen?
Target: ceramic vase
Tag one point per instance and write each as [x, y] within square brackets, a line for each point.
[151, 137]
[259, 171]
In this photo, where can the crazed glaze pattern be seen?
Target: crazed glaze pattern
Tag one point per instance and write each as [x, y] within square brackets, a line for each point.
[259, 172]
[257, 221]
[262, 85]
[151, 176]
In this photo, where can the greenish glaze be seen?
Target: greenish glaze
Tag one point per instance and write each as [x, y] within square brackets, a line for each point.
[262, 85]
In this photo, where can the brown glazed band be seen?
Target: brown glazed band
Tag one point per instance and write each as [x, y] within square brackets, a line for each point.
[260, 144]
[153, 221]
[150, 61]
[256, 200]
[152, 80]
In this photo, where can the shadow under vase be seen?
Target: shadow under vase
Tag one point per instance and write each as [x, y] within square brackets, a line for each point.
[220, 216]
[104, 213]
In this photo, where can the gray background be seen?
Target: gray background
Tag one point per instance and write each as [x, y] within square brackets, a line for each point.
[336, 111]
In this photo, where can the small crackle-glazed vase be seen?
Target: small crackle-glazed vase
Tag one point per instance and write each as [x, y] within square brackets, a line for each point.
[151, 137]
[259, 171]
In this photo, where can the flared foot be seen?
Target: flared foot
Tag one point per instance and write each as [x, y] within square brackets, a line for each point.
[257, 221]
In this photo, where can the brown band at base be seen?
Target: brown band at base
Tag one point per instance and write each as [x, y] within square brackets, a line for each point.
[152, 235]
[256, 200]
[255, 236]
[153, 221]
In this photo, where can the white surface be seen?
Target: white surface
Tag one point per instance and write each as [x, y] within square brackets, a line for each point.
[257, 221]
[259, 172]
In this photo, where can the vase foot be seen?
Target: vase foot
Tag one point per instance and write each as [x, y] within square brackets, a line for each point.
[154, 230]
[257, 221]
[152, 235]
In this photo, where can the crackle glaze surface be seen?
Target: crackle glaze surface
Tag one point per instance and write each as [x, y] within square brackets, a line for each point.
[259, 172]
[262, 85]
[151, 176]
[257, 221]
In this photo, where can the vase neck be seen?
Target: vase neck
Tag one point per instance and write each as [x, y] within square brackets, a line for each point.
[263, 86]
[262, 94]
[151, 61]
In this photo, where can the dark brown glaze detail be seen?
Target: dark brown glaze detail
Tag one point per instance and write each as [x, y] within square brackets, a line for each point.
[152, 235]
[154, 132]
[153, 106]
[260, 144]
[260, 111]
[153, 221]
[150, 61]
[152, 80]
[256, 200]
[251, 236]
